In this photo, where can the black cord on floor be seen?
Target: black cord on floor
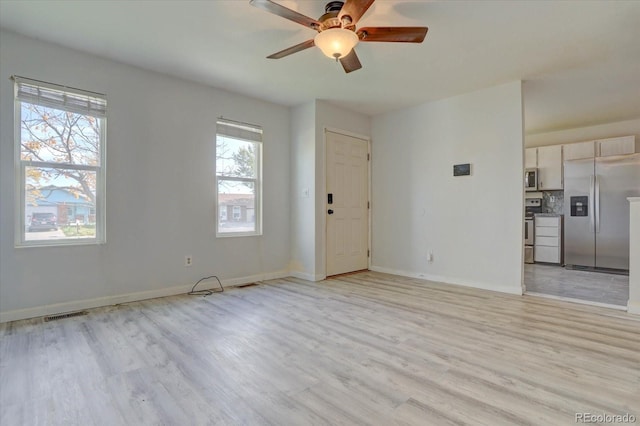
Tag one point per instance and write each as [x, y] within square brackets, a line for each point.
[195, 292]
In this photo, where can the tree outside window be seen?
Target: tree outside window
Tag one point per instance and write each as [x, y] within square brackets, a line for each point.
[61, 164]
[238, 179]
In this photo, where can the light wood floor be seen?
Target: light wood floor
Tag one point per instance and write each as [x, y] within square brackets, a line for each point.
[369, 348]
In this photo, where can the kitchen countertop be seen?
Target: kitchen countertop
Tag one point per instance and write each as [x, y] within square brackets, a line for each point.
[548, 215]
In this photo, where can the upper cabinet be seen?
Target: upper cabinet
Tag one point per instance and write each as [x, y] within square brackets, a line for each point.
[550, 167]
[531, 158]
[600, 148]
[549, 159]
[616, 146]
[578, 151]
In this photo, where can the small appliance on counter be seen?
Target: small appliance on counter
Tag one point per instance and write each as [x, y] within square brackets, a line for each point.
[531, 207]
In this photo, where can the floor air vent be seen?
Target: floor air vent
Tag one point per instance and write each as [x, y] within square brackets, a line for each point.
[246, 285]
[65, 315]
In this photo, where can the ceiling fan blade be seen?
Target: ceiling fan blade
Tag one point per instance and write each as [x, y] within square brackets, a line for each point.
[286, 13]
[351, 62]
[393, 34]
[354, 9]
[293, 49]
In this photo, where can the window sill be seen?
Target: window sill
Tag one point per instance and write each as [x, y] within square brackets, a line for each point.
[238, 234]
[78, 242]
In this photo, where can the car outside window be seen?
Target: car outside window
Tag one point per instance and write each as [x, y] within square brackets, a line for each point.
[60, 141]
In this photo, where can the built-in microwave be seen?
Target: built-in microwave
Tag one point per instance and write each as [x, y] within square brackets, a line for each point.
[531, 179]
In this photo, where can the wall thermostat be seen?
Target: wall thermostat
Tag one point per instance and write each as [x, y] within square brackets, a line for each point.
[462, 169]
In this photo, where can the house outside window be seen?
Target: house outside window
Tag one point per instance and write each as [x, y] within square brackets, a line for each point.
[237, 210]
[60, 139]
[238, 179]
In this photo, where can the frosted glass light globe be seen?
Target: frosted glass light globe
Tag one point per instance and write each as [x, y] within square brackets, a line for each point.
[336, 43]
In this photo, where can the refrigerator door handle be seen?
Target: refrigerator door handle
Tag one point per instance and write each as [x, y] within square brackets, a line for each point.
[592, 222]
[597, 201]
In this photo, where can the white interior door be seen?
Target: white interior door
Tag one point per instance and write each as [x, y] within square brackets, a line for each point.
[347, 203]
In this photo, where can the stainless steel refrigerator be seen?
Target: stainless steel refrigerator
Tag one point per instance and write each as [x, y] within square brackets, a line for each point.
[597, 211]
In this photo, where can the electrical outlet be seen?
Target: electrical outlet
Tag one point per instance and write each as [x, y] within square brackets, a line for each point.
[188, 261]
[430, 257]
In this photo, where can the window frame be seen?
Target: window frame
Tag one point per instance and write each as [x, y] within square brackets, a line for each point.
[21, 166]
[257, 180]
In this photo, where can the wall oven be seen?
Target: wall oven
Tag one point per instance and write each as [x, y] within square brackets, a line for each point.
[531, 179]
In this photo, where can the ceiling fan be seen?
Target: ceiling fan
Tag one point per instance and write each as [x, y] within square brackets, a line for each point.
[337, 33]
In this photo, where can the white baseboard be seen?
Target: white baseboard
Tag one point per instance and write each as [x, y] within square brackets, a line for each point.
[306, 276]
[449, 280]
[232, 282]
[78, 305]
[633, 307]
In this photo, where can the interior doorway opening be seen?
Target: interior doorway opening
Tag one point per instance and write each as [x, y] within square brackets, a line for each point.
[576, 239]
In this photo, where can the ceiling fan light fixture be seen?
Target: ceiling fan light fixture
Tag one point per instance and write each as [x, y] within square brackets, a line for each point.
[336, 43]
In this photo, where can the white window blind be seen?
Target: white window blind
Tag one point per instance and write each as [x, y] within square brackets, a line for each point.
[60, 97]
[237, 130]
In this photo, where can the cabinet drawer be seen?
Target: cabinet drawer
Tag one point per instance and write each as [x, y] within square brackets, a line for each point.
[548, 241]
[547, 231]
[547, 254]
[547, 221]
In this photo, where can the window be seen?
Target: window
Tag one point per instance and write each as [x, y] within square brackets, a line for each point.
[60, 138]
[238, 179]
[236, 213]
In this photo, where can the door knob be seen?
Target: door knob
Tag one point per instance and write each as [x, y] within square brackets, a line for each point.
[330, 211]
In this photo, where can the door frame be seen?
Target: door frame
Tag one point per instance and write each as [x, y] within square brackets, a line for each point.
[323, 222]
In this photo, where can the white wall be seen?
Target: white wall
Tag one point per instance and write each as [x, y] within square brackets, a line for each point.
[160, 206]
[472, 224]
[303, 171]
[581, 134]
[161, 135]
[308, 216]
[633, 305]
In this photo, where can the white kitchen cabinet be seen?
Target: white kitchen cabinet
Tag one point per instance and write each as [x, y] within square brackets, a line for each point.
[616, 146]
[549, 159]
[531, 158]
[548, 239]
[578, 151]
[549, 167]
[546, 254]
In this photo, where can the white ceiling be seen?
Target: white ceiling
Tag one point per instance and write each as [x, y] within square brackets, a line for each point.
[580, 60]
